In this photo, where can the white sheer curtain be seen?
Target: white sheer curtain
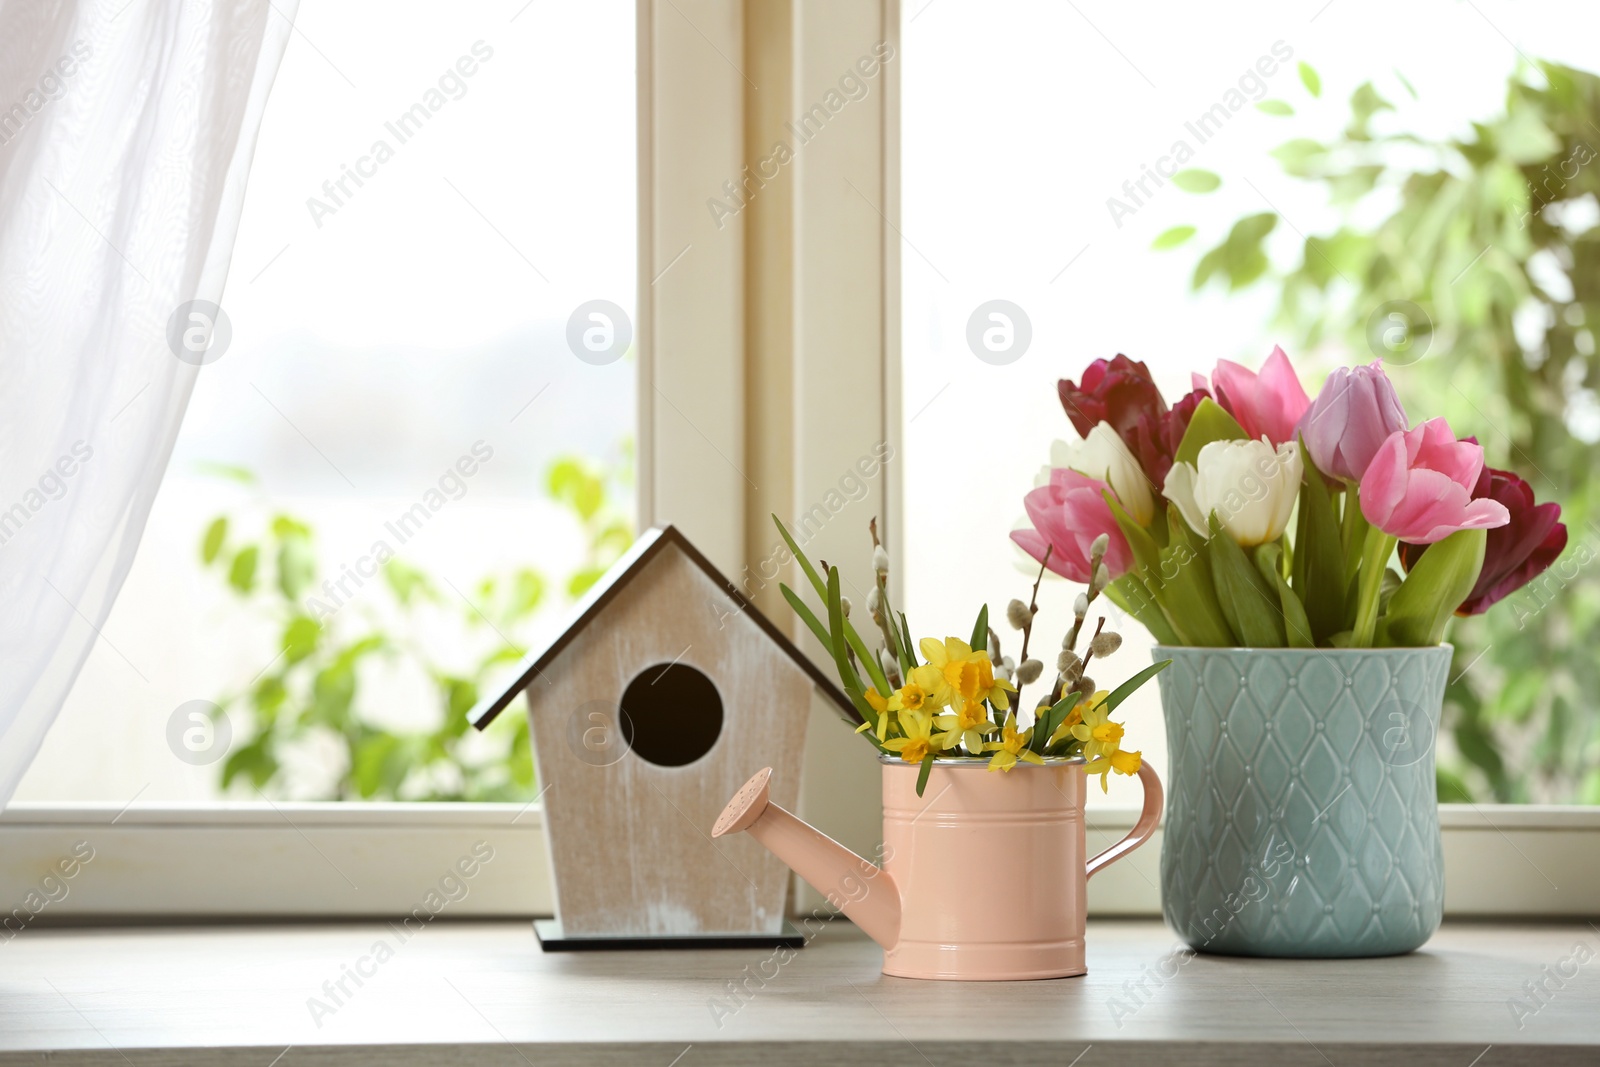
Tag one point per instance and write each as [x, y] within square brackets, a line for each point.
[126, 133]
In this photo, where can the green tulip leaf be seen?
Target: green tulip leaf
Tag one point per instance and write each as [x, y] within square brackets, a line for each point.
[1209, 423]
[1422, 606]
[1248, 603]
[1297, 627]
[1319, 572]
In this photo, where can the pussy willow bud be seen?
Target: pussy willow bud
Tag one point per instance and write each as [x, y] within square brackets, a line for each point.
[1028, 671]
[1068, 661]
[1105, 644]
[1085, 685]
[1098, 546]
[873, 600]
[1080, 606]
[994, 647]
[844, 606]
[880, 560]
[1100, 579]
[1018, 615]
[891, 669]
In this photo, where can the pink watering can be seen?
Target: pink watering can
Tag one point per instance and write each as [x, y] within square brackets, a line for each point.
[984, 875]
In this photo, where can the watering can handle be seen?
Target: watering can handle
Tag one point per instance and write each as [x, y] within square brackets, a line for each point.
[1148, 818]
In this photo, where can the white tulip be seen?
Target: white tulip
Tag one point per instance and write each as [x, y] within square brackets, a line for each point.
[1249, 485]
[1104, 455]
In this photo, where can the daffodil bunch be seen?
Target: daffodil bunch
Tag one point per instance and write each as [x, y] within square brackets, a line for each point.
[927, 700]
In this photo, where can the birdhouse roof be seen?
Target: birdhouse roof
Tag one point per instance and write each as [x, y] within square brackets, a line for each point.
[649, 546]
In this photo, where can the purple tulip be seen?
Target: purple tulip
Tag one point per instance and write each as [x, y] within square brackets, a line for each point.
[1350, 419]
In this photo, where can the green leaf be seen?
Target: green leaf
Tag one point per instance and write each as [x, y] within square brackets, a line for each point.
[573, 484]
[255, 761]
[229, 471]
[922, 773]
[868, 660]
[379, 765]
[1407, 83]
[1451, 788]
[1310, 79]
[1299, 155]
[1129, 687]
[1275, 107]
[1319, 575]
[905, 637]
[242, 575]
[297, 565]
[806, 616]
[980, 631]
[1296, 627]
[269, 695]
[841, 662]
[1187, 592]
[1247, 603]
[211, 543]
[1131, 595]
[1435, 588]
[300, 638]
[527, 593]
[1172, 238]
[583, 579]
[289, 526]
[1196, 181]
[1209, 423]
[408, 583]
[332, 692]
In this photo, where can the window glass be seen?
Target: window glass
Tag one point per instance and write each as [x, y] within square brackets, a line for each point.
[1034, 137]
[420, 433]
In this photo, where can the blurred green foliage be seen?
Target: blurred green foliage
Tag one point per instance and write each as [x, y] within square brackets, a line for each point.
[1494, 237]
[318, 688]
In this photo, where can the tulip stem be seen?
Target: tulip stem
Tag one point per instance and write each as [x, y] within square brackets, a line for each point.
[1354, 532]
[1374, 561]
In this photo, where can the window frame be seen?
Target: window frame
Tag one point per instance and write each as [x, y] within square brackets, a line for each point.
[796, 291]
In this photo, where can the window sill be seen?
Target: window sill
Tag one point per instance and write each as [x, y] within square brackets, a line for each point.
[259, 860]
[102, 995]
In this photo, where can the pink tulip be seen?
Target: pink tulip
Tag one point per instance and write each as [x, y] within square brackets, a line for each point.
[1067, 515]
[1269, 403]
[1354, 414]
[1419, 485]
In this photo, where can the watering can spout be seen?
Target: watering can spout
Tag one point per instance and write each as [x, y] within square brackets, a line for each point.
[863, 891]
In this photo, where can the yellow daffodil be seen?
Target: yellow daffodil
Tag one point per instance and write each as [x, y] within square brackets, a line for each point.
[911, 697]
[1100, 736]
[967, 675]
[882, 708]
[1011, 747]
[919, 740]
[1075, 716]
[969, 724]
[1119, 761]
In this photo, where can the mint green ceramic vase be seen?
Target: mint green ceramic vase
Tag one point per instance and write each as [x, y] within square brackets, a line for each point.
[1302, 817]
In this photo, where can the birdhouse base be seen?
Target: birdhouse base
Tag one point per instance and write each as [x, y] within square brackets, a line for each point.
[552, 939]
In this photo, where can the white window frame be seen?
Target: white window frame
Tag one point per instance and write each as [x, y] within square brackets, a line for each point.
[766, 370]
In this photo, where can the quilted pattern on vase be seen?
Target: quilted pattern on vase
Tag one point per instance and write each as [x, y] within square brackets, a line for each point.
[1302, 817]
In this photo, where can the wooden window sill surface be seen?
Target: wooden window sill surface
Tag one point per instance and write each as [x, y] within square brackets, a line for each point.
[467, 992]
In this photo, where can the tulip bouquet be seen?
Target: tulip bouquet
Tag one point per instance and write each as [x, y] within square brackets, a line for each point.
[928, 700]
[1194, 503]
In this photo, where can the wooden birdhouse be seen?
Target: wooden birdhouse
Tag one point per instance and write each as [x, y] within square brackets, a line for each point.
[659, 697]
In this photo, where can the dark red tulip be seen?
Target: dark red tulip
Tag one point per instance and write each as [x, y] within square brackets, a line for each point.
[1121, 392]
[1517, 552]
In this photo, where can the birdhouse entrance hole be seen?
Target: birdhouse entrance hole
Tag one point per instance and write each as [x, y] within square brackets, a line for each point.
[671, 715]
